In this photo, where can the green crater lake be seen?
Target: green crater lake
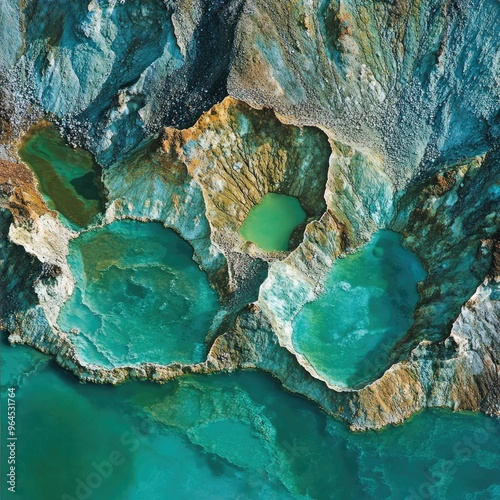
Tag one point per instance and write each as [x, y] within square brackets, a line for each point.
[229, 436]
[68, 177]
[367, 305]
[271, 222]
[139, 297]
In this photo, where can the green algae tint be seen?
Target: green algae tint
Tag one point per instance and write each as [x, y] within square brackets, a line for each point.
[68, 177]
[367, 305]
[228, 436]
[139, 297]
[271, 222]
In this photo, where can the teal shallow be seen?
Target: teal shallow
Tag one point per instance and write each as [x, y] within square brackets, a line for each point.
[229, 436]
[367, 305]
[139, 297]
[271, 222]
[68, 177]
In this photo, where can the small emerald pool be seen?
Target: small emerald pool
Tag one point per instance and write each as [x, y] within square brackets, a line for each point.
[271, 222]
[139, 297]
[68, 177]
[367, 306]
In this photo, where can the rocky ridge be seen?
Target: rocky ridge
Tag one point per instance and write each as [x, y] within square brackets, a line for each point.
[403, 139]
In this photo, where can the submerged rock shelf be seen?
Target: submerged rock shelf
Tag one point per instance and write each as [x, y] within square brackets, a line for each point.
[367, 117]
[228, 435]
[152, 253]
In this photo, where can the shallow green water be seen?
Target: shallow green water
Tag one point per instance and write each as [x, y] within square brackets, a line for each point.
[139, 296]
[271, 222]
[225, 437]
[367, 305]
[68, 177]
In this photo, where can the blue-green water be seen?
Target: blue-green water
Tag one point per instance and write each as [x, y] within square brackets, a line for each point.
[225, 437]
[68, 177]
[367, 305]
[139, 297]
[271, 222]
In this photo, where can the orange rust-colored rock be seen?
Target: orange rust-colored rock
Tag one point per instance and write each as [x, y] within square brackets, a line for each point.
[18, 192]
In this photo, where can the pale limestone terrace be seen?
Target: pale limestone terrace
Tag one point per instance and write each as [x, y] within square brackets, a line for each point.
[381, 116]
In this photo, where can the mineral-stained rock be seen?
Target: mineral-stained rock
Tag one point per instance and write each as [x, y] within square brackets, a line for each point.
[17, 185]
[373, 114]
[449, 223]
[238, 154]
[112, 70]
[409, 80]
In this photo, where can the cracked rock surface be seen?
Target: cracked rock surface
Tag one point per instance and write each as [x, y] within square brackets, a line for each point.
[373, 114]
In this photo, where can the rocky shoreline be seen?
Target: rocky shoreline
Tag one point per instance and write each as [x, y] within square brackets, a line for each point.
[439, 187]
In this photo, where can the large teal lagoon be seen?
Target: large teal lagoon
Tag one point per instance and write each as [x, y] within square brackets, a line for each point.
[228, 436]
[366, 306]
[139, 297]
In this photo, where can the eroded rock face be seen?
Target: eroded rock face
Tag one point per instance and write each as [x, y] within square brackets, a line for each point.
[398, 111]
[412, 81]
[238, 154]
[18, 187]
[115, 71]
[450, 223]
